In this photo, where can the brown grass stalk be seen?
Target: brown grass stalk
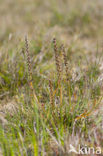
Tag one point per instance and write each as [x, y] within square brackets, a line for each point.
[30, 71]
[58, 67]
[66, 71]
[51, 93]
[65, 61]
[57, 60]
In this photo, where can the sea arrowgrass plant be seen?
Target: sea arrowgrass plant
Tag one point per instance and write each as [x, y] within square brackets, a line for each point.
[66, 72]
[65, 61]
[57, 60]
[37, 126]
[59, 73]
[59, 69]
[33, 94]
[48, 129]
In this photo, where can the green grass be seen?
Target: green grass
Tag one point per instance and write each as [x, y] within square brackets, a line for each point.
[31, 128]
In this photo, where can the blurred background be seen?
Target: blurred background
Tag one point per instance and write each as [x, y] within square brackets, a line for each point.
[80, 18]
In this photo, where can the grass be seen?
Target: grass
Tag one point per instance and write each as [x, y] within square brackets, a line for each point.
[50, 87]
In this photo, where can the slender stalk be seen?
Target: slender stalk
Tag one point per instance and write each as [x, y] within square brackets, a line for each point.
[67, 72]
[58, 67]
[30, 71]
[51, 93]
[57, 60]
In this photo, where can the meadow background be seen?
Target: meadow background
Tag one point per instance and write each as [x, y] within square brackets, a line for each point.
[48, 127]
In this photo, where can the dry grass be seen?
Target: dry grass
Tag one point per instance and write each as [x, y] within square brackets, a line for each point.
[70, 103]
